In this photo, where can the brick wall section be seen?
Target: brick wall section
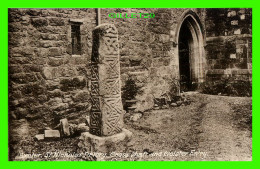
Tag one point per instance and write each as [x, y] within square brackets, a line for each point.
[45, 80]
[229, 43]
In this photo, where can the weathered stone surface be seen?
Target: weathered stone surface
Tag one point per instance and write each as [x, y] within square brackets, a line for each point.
[72, 84]
[54, 51]
[33, 89]
[136, 116]
[81, 96]
[51, 134]
[64, 124]
[60, 106]
[55, 93]
[32, 68]
[114, 143]
[39, 62]
[82, 127]
[39, 137]
[22, 78]
[237, 32]
[39, 22]
[179, 103]
[47, 72]
[19, 129]
[48, 36]
[223, 52]
[55, 61]
[56, 22]
[33, 12]
[87, 122]
[174, 105]
[107, 112]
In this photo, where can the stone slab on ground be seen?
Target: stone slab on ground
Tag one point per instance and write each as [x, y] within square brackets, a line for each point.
[39, 137]
[115, 143]
[51, 134]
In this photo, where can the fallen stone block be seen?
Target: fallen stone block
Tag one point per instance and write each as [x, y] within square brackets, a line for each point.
[136, 116]
[73, 130]
[174, 105]
[64, 127]
[76, 130]
[82, 127]
[44, 128]
[39, 137]
[51, 134]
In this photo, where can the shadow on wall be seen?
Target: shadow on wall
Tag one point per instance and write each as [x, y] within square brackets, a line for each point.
[153, 93]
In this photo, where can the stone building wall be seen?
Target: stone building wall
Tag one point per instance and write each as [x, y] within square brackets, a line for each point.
[49, 77]
[46, 81]
[148, 50]
[229, 43]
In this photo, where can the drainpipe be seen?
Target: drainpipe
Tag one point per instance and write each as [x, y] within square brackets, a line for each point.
[98, 16]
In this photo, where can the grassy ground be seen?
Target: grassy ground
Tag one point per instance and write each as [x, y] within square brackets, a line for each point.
[210, 128]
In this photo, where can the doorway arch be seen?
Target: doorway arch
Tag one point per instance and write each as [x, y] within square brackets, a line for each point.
[191, 55]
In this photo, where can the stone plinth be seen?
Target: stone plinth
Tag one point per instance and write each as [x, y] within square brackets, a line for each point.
[115, 143]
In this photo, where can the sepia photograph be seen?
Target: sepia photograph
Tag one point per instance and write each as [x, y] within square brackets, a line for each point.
[130, 84]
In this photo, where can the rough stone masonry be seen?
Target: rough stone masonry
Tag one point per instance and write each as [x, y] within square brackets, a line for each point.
[106, 115]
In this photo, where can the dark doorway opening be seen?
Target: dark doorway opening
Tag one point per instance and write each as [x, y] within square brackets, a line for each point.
[185, 49]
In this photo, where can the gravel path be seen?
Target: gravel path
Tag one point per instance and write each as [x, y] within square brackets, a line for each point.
[207, 129]
[210, 128]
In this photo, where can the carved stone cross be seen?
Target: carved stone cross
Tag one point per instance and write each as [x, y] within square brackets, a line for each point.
[106, 132]
[107, 112]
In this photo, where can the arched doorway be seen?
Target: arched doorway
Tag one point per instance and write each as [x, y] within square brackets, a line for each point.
[190, 52]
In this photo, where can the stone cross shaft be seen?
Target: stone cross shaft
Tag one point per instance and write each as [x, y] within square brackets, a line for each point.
[106, 116]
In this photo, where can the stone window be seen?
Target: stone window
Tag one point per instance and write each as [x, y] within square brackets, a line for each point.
[75, 39]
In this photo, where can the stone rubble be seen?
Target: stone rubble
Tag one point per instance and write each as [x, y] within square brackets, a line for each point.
[62, 130]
